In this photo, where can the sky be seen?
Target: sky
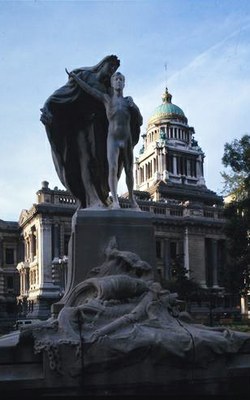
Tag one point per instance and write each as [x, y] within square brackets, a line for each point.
[199, 49]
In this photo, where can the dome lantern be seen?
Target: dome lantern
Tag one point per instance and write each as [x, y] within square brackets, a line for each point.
[166, 97]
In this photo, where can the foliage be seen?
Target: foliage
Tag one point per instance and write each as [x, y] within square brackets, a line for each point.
[237, 158]
[237, 275]
[187, 289]
[237, 229]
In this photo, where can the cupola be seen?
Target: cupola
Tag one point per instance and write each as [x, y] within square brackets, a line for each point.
[167, 111]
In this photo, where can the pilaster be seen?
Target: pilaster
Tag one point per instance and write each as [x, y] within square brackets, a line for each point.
[45, 246]
[214, 245]
[186, 252]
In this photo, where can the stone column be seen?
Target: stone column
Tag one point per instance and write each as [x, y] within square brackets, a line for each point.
[214, 247]
[45, 252]
[27, 247]
[167, 274]
[164, 164]
[26, 251]
[56, 240]
[199, 170]
[32, 246]
[1, 252]
[196, 244]
[163, 161]
[186, 252]
[198, 167]
[1, 283]
[188, 168]
[174, 165]
[27, 281]
[21, 281]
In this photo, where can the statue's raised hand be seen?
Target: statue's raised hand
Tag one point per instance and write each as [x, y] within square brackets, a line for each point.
[70, 74]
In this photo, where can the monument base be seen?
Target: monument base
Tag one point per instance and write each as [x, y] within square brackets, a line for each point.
[121, 333]
[92, 232]
[33, 376]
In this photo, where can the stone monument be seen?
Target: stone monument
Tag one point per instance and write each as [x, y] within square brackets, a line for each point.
[116, 330]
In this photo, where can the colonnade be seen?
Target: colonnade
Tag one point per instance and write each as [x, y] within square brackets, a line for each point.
[169, 248]
[176, 164]
[171, 132]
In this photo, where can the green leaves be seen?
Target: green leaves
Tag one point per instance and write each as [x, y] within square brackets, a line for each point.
[237, 158]
[237, 212]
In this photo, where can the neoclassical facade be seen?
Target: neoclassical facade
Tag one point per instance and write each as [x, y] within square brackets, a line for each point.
[187, 230]
[189, 217]
[11, 251]
[45, 230]
[170, 184]
[169, 153]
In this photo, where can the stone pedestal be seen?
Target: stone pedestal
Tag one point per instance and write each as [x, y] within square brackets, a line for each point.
[28, 375]
[92, 231]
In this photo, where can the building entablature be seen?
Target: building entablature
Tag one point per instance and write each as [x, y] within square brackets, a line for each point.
[167, 133]
[167, 122]
[197, 223]
[166, 229]
[182, 210]
[8, 227]
[175, 145]
[39, 210]
[146, 155]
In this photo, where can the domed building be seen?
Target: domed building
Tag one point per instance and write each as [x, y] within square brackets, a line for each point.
[187, 217]
[170, 163]
[170, 183]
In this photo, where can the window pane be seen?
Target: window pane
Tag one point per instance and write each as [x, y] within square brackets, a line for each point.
[9, 256]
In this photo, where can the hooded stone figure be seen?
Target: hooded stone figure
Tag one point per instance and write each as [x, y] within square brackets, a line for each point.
[76, 126]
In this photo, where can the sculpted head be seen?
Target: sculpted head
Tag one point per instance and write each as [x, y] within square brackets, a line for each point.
[117, 80]
[109, 65]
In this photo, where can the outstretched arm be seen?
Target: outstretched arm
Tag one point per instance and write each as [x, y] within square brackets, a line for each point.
[87, 88]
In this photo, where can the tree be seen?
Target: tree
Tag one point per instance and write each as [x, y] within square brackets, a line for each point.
[237, 158]
[237, 212]
[188, 290]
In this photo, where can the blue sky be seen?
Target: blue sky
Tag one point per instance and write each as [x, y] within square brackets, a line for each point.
[205, 44]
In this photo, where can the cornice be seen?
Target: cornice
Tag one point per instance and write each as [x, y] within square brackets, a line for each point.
[45, 209]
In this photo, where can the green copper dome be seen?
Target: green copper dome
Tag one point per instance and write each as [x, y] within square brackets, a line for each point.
[167, 110]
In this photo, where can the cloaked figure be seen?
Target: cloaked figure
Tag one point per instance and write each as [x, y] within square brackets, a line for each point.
[77, 127]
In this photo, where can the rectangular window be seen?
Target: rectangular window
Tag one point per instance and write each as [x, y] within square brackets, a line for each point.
[173, 250]
[66, 244]
[170, 163]
[10, 282]
[208, 262]
[141, 175]
[193, 168]
[158, 249]
[9, 256]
